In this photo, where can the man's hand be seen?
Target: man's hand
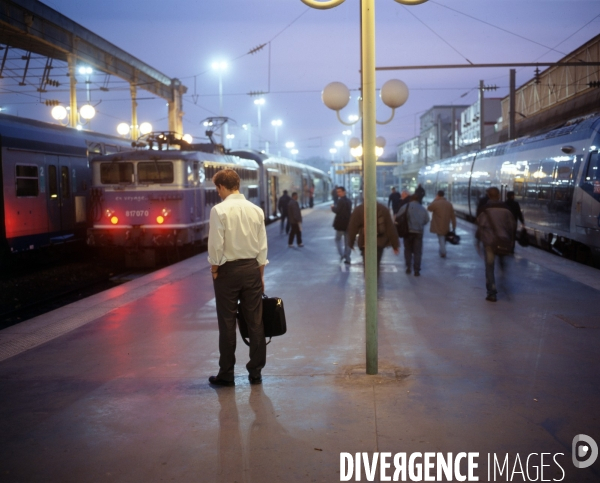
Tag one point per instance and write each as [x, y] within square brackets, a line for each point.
[396, 251]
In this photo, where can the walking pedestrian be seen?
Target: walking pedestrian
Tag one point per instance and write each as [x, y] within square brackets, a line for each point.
[496, 230]
[295, 217]
[342, 210]
[237, 253]
[282, 206]
[394, 200]
[514, 207]
[442, 215]
[386, 231]
[413, 243]
[420, 193]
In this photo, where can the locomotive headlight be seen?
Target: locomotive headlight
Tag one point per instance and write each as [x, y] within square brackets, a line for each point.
[160, 219]
[110, 214]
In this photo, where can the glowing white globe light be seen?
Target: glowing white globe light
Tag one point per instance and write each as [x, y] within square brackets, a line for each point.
[59, 113]
[188, 138]
[87, 112]
[145, 128]
[123, 129]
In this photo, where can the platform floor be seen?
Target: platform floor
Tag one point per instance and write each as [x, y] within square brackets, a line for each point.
[114, 387]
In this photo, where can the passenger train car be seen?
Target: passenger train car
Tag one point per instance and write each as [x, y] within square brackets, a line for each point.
[555, 177]
[278, 174]
[44, 181]
[151, 198]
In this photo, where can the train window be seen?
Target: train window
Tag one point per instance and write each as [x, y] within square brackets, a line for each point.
[252, 192]
[52, 181]
[27, 180]
[116, 173]
[110, 149]
[64, 182]
[591, 179]
[155, 172]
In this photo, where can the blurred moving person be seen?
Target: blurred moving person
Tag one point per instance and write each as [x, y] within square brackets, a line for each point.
[413, 243]
[295, 218]
[282, 206]
[442, 214]
[496, 231]
[394, 200]
[386, 231]
[342, 210]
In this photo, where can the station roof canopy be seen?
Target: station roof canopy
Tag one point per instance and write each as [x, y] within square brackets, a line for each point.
[34, 27]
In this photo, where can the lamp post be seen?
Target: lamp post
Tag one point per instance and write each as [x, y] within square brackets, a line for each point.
[369, 123]
[220, 67]
[259, 103]
[276, 123]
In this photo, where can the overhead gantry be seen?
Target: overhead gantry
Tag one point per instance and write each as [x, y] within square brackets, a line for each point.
[34, 27]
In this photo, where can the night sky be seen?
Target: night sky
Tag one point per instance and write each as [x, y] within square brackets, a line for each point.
[308, 49]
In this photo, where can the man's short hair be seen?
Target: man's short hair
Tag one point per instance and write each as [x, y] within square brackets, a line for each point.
[393, 188]
[227, 178]
[441, 193]
[510, 194]
[341, 188]
[493, 193]
[294, 194]
[285, 192]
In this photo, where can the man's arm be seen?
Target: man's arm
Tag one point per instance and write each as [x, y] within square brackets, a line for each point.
[216, 241]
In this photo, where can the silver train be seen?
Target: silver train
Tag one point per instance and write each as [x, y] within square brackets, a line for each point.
[45, 182]
[149, 198]
[555, 177]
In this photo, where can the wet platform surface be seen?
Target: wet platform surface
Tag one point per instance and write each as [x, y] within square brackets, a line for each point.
[114, 387]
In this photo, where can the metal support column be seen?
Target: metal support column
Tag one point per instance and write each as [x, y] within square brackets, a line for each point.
[370, 181]
[481, 116]
[176, 108]
[512, 128]
[73, 118]
[135, 133]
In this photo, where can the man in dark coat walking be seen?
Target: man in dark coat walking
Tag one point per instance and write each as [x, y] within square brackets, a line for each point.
[342, 210]
[386, 231]
[295, 217]
[496, 230]
[394, 200]
[282, 206]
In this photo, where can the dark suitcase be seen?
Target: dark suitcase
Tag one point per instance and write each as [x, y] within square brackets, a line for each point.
[273, 319]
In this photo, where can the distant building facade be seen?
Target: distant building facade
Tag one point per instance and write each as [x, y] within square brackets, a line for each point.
[470, 119]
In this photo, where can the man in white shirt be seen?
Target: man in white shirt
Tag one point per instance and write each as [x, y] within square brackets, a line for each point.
[237, 252]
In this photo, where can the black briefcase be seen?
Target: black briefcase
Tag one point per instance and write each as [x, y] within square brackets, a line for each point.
[273, 319]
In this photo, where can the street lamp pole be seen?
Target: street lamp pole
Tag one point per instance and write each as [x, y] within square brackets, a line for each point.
[369, 166]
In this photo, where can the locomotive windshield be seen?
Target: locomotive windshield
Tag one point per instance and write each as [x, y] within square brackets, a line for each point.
[116, 173]
[155, 172]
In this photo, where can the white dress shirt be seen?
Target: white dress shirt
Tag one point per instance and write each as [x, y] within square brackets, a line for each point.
[237, 231]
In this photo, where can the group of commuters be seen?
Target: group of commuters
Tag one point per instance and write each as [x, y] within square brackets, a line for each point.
[237, 250]
[496, 220]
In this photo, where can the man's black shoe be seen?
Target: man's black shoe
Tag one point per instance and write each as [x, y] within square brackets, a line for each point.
[255, 380]
[417, 273]
[215, 381]
[491, 298]
[408, 271]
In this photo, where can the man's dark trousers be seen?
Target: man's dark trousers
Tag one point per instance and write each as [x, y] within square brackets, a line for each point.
[283, 221]
[240, 280]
